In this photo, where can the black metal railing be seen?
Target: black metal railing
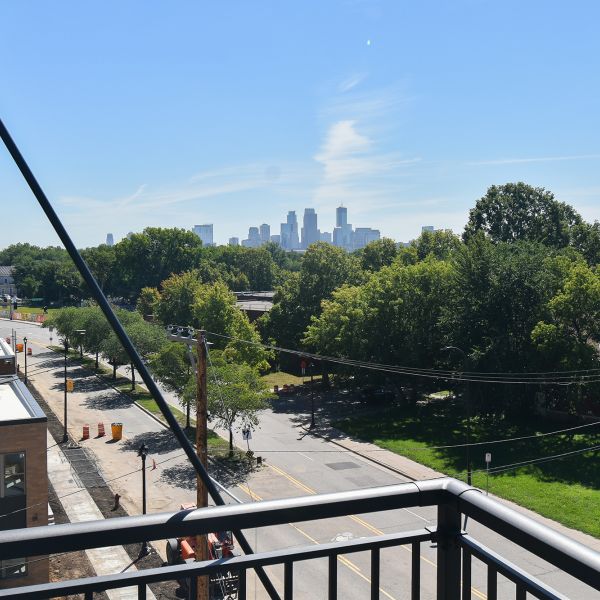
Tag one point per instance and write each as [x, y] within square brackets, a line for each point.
[455, 548]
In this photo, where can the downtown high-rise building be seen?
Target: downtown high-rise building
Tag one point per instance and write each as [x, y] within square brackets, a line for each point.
[343, 234]
[289, 232]
[253, 240]
[265, 233]
[341, 216]
[205, 233]
[310, 232]
[110, 240]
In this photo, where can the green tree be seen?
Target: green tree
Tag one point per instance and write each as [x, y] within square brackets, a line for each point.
[324, 269]
[147, 338]
[392, 318]
[171, 366]
[215, 311]
[67, 322]
[236, 395]
[178, 296]
[378, 254]
[96, 329]
[147, 303]
[101, 261]
[517, 211]
[148, 258]
[440, 244]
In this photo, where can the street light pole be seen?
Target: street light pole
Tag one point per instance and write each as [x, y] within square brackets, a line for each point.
[143, 453]
[465, 362]
[312, 398]
[65, 435]
[25, 345]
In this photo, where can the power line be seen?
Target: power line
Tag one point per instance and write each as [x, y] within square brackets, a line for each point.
[522, 379]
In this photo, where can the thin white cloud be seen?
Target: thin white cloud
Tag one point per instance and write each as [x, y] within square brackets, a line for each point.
[351, 82]
[538, 159]
[356, 171]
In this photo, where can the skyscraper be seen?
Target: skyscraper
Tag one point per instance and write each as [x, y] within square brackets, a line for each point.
[289, 232]
[310, 233]
[253, 240]
[341, 216]
[265, 233]
[205, 233]
[109, 239]
[234, 241]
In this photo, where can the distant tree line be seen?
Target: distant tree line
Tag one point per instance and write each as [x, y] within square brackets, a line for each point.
[518, 292]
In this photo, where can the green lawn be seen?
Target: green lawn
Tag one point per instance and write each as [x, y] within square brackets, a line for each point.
[566, 490]
[280, 378]
[35, 310]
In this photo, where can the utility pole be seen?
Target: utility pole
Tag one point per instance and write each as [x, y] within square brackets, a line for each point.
[201, 443]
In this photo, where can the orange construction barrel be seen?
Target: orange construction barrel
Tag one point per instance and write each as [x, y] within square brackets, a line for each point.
[29, 352]
[19, 347]
[117, 431]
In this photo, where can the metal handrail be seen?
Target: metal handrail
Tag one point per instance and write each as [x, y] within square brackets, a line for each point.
[451, 496]
[196, 569]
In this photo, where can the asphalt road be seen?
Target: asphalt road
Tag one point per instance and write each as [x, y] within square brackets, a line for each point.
[297, 463]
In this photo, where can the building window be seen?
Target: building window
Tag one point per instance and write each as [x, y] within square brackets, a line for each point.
[13, 567]
[12, 468]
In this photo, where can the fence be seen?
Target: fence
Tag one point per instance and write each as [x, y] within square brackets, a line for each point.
[455, 548]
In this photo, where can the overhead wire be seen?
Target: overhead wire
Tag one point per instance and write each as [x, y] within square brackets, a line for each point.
[453, 375]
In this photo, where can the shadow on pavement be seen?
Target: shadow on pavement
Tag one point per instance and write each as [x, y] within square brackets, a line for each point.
[109, 400]
[158, 442]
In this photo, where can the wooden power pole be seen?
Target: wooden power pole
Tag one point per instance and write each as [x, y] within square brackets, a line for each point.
[201, 442]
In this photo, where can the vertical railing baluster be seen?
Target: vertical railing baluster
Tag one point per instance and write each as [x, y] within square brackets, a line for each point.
[193, 588]
[521, 592]
[466, 575]
[242, 585]
[415, 579]
[492, 583]
[448, 552]
[142, 591]
[332, 583]
[375, 565]
[288, 580]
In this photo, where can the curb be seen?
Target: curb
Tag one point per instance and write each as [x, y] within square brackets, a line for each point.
[150, 414]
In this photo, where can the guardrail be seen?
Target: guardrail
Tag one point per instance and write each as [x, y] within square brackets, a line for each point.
[455, 548]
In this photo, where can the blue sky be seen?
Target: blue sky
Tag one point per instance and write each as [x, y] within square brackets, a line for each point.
[136, 114]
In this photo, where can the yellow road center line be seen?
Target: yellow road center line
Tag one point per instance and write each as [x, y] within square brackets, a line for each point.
[346, 562]
[364, 523]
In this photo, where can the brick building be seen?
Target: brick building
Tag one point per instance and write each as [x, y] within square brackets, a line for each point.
[23, 477]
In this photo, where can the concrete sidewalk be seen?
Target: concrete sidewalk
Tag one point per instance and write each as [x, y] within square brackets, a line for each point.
[79, 506]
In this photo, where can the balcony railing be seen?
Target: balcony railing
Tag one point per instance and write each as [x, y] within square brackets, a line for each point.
[455, 548]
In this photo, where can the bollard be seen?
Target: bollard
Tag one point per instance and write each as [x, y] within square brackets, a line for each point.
[86, 432]
[101, 432]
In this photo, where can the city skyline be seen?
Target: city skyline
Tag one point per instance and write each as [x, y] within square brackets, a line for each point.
[168, 126]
